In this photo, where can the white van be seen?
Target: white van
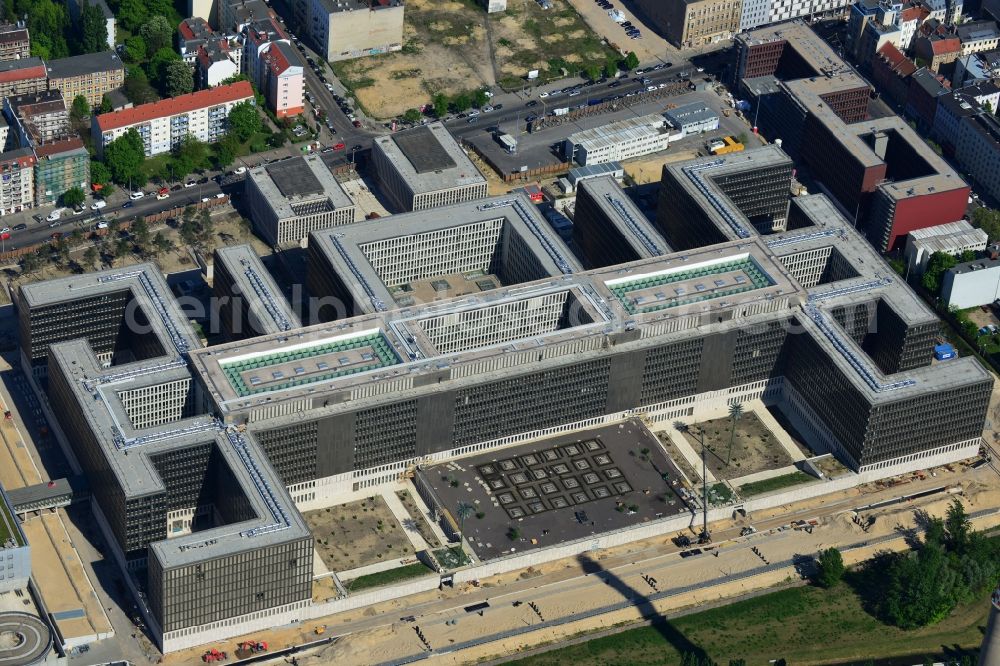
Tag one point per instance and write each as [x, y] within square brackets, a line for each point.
[99, 204]
[55, 215]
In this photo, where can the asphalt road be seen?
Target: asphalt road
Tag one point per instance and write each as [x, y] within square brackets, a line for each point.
[519, 110]
[38, 232]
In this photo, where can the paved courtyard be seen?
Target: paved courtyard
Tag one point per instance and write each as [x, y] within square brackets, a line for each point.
[559, 489]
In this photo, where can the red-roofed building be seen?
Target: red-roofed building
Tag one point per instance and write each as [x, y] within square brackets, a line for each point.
[283, 80]
[27, 75]
[162, 125]
[216, 61]
[891, 71]
[935, 46]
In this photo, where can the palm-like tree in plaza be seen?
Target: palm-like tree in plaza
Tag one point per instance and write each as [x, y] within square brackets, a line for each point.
[735, 412]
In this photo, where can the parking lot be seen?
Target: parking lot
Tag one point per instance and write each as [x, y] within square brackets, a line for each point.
[649, 47]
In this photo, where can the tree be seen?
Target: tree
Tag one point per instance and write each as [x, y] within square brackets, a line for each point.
[412, 116]
[124, 157]
[90, 256]
[72, 197]
[440, 103]
[99, 173]
[830, 568]
[464, 510]
[121, 248]
[226, 150]
[592, 72]
[178, 78]
[936, 267]
[140, 232]
[462, 102]
[92, 28]
[30, 263]
[156, 68]
[631, 60]
[162, 243]
[244, 121]
[957, 528]
[106, 105]
[137, 88]
[132, 14]
[135, 49]
[480, 99]
[735, 412]
[988, 220]
[157, 33]
[610, 67]
[80, 108]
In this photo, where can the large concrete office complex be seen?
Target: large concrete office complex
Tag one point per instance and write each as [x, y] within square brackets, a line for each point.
[811, 317]
[15, 552]
[429, 255]
[250, 302]
[609, 229]
[717, 198]
[879, 171]
[425, 167]
[293, 197]
[193, 505]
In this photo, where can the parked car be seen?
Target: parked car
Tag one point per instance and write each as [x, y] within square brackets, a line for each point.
[20, 227]
[127, 204]
[98, 205]
[339, 146]
[190, 183]
[54, 215]
[135, 196]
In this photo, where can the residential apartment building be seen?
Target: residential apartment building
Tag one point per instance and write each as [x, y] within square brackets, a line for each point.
[162, 125]
[15, 43]
[693, 22]
[891, 72]
[23, 76]
[61, 165]
[92, 75]
[619, 140]
[106, 13]
[978, 36]
[425, 167]
[977, 149]
[257, 39]
[283, 80]
[936, 46]
[215, 62]
[38, 119]
[17, 182]
[345, 29]
[977, 67]
[191, 34]
[236, 15]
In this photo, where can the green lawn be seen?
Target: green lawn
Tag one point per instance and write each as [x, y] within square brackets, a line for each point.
[7, 526]
[774, 483]
[387, 577]
[803, 625]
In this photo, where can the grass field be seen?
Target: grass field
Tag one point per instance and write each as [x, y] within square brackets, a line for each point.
[7, 528]
[388, 576]
[774, 483]
[802, 625]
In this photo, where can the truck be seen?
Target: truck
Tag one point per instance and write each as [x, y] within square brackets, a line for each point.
[508, 142]
[724, 146]
[561, 111]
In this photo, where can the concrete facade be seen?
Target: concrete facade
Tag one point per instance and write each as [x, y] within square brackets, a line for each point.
[346, 29]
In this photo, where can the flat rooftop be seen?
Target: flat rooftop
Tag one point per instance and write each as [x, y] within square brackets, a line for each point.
[696, 177]
[296, 185]
[429, 159]
[696, 112]
[349, 248]
[630, 129]
[816, 53]
[266, 300]
[617, 207]
[561, 488]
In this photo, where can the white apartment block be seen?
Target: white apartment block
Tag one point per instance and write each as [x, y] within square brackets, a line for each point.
[619, 141]
[164, 124]
[754, 14]
[345, 29]
[17, 180]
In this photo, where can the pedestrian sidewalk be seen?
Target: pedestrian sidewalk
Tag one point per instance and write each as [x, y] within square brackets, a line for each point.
[403, 516]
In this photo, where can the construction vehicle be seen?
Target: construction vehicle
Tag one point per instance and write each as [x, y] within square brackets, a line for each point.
[250, 648]
[213, 656]
[320, 630]
[724, 145]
